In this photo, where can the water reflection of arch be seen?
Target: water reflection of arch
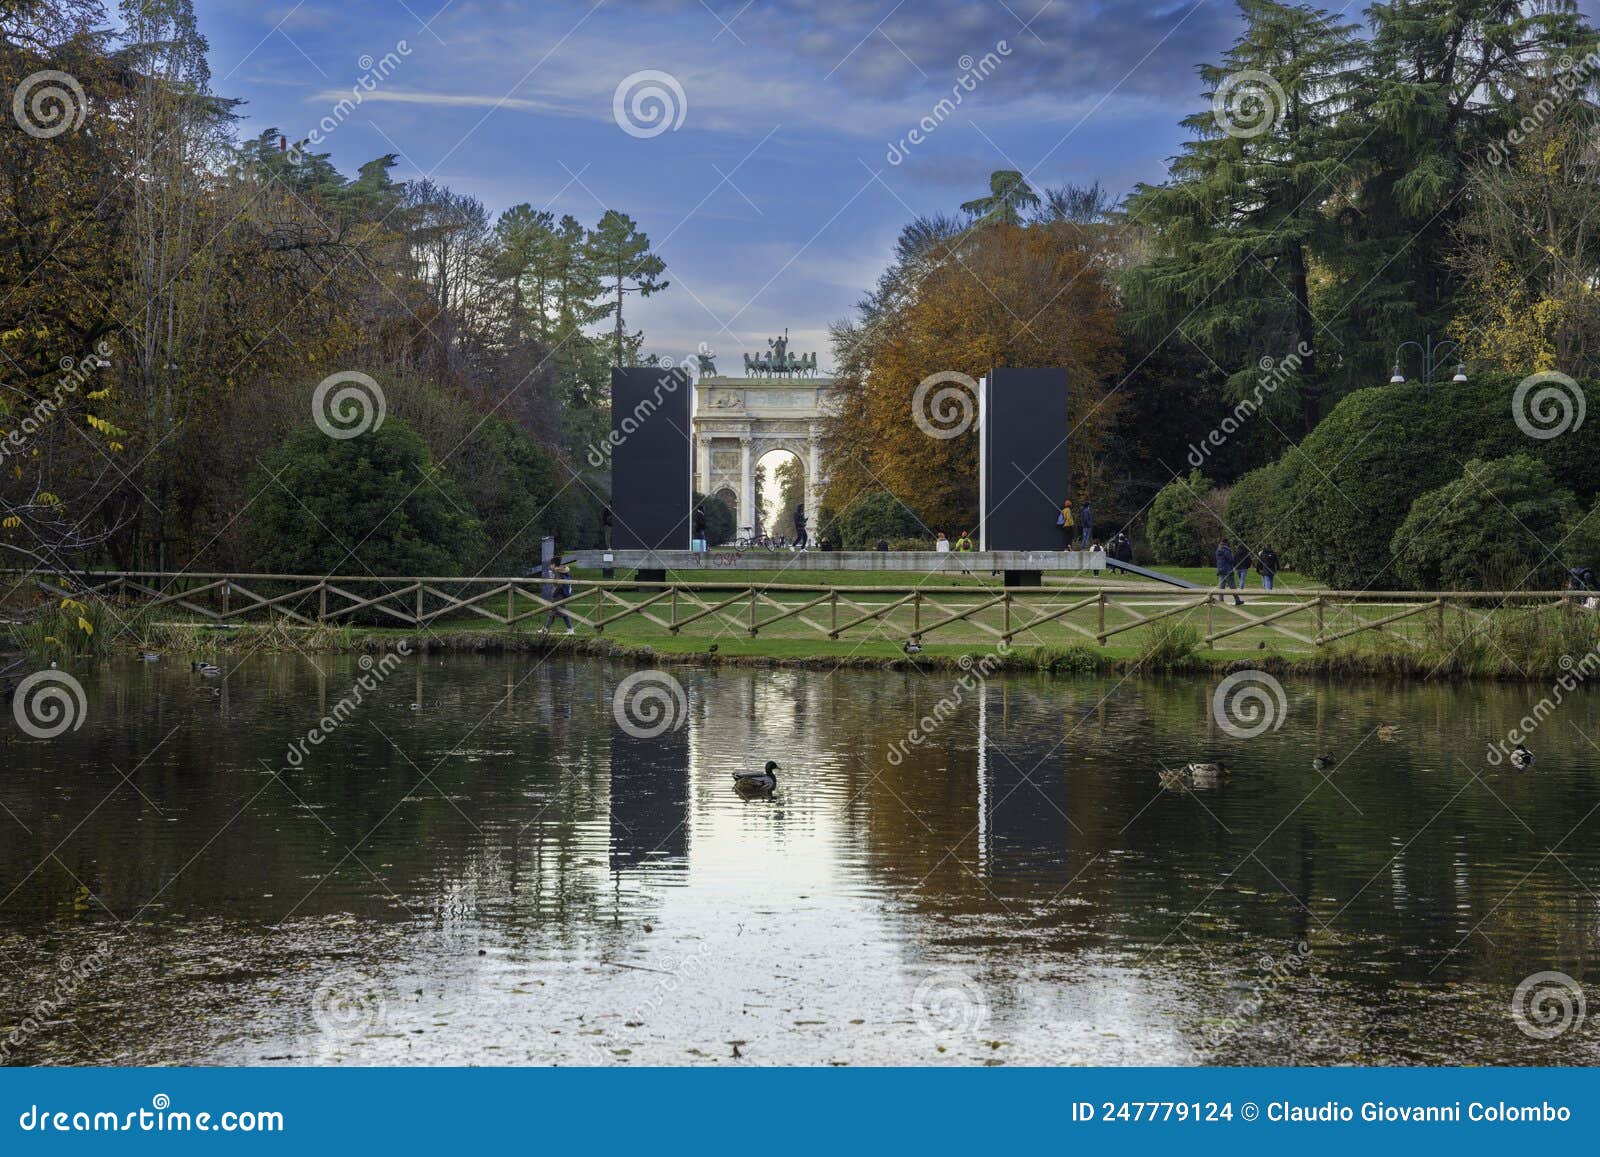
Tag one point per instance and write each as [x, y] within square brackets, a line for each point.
[1022, 782]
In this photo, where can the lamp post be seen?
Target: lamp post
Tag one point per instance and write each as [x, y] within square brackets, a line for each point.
[1432, 355]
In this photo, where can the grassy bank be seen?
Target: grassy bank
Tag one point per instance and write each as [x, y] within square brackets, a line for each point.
[1509, 642]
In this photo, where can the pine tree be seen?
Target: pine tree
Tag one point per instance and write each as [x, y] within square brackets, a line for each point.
[1241, 221]
[1009, 194]
[620, 254]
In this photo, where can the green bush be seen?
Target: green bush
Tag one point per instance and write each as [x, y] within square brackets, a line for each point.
[1494, 528]
[1255, 513]
[720, 520]
[1180, 528]
[1581, 546]
[374, 503]
[1352, 482]
[876, 515]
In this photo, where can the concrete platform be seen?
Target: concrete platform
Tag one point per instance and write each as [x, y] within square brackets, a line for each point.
[803, 562]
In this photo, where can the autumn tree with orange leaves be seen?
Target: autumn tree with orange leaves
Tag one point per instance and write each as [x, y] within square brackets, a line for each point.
[968, 299]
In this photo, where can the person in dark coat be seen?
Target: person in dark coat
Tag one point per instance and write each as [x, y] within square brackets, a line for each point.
[1225, 570]
[700, 528]
[800, 539]
[557, 585]
[1267, 564]
[1086, 518]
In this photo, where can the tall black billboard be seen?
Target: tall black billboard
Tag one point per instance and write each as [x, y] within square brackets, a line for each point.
[650, 458]
[1022, 460]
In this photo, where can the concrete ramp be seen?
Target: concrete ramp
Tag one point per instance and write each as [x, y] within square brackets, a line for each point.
[1158, 576]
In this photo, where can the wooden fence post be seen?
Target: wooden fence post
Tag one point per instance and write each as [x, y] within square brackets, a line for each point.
[916, 613]
[1100, 619]
[752, 612]
[419, 604]
[322, 601]
[1320, 601]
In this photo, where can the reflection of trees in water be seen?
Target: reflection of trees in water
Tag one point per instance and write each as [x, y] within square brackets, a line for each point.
[951, 831]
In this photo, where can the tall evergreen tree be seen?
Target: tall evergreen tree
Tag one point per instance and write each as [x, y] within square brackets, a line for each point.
[621, 256]
[1240, 223]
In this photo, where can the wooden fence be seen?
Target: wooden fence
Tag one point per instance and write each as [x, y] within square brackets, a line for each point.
[1307, 619]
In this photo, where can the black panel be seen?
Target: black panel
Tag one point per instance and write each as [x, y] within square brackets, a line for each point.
[650, 459]
[1024, 459]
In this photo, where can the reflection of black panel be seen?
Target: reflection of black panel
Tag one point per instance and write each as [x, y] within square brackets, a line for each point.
[1024, 793]
[649, 798]
[650, 469]
[1024, 458]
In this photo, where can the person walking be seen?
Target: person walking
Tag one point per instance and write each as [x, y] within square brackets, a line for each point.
[1225, 570]
[1241, 567]
[800, 539]
[605, 528]
[1067, 523]
[700, 528]
[964, 543]
[1086, 517]
[558, 585]
[941, 544]
[1267, 564]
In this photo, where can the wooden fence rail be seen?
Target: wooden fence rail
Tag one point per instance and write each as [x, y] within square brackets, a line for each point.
[828, 611]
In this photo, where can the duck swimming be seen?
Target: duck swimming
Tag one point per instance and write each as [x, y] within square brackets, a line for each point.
[1322, 762]
[912, 647]
[1388, 731]
[1193, 776]
[756, 783]
[1521, 758]
[206, 670]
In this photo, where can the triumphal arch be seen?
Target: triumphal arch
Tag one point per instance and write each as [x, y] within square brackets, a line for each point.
[779, 403]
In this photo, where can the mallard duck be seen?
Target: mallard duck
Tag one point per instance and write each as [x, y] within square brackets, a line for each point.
[912, 647]
[756, 782]
[711, 650]
[206, 670]
[1322, 762]
[1388, 731]
[1521, 758]
[1193, 775]
[149, 657]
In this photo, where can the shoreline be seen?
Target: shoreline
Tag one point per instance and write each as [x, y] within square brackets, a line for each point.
[1072, 660]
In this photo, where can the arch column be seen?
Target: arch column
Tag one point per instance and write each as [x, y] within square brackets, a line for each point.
[747, 485]
[813, 473]
[703, 462]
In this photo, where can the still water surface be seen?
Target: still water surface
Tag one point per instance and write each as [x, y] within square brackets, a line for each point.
[480, 866]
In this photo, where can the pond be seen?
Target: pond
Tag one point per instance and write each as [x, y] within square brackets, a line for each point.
[476, 859]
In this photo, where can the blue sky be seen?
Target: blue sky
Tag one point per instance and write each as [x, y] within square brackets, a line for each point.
[773, 200]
